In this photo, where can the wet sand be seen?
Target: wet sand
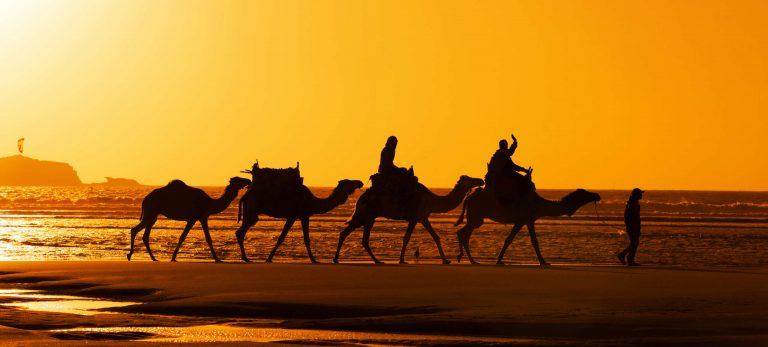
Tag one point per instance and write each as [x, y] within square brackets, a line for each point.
[561, 305]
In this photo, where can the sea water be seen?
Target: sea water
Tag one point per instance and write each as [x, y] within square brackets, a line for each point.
[680, 228]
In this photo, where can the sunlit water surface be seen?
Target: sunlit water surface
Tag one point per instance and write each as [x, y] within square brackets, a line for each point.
[679, 229]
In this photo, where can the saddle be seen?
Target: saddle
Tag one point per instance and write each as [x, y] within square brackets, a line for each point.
[269, 182]
[510, 188]
[399, 185]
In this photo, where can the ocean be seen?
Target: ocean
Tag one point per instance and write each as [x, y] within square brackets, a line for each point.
[680, 228]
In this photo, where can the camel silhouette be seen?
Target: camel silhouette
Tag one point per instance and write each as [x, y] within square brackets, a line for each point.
[179, 201]
[294, 204]
[416, 210]
[482, 203]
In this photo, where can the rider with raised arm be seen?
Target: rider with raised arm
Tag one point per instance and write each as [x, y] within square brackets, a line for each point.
[504, 175]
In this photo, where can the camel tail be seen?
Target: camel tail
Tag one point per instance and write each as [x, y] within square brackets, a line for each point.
[141, 217]
[239, 209]
[461, 216]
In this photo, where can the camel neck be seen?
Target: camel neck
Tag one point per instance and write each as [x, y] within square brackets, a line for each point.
[221, 204]
[550, 208]
[323, 205]
[446, 203]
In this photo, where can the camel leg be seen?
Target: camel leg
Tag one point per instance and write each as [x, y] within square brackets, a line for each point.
[535, 243]
[181, 238]
[464, 234]
[515, 229]
[286, 228]
[427, 225]
[406, 238]
[240, 234]
[145, 237]
[305, 231]
[134, 231]
[366, 241]
[206, 232]
[353, 224]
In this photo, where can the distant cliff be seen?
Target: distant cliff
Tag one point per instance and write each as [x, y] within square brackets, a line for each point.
[118, 182]
[19, 170]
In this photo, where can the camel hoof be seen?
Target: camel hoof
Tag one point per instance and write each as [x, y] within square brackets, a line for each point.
[377, 262]
[217, 261]
[544, 263]
[268, 261]
[335, 260]
[129, 257]
[446, 261]
[246, 260]
[173, 260]
[403, 262]
[315, 261]
[474, 262]
[500, 263]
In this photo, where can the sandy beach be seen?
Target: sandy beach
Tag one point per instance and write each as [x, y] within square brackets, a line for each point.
[526, 305]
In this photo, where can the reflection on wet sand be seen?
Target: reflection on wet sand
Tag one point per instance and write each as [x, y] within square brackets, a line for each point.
[36, 301]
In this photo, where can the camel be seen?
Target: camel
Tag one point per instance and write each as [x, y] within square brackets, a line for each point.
[416, 211]
[296, 204]
[179, 201]
[482, 203]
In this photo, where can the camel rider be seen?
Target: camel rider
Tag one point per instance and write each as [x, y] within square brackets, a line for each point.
[387, 161]
[501, 161]
[504, 175]
[391, 179]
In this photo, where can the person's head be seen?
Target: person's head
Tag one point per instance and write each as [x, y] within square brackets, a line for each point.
[636, 194]
[503, 144]
[392, 141]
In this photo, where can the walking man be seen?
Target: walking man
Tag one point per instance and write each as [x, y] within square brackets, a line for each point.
[632, 222]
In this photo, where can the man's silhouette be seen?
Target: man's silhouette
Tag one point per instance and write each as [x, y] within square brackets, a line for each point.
[632, 222]
[387, 161]
[393, 181]
[501, 161]
[504, 176]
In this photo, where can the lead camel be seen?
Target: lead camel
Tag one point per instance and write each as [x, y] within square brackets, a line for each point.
[483, 203]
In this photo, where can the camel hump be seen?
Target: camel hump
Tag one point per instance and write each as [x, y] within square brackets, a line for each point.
[176, 184]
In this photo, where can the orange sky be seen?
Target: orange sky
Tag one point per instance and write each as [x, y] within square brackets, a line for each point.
[601, 94]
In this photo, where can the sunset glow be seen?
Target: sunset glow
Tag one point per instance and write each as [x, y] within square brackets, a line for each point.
[601, 94]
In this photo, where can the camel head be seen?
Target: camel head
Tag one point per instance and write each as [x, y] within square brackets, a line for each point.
[238, 182]
[579, 198]
[349, 186]
[469, 182]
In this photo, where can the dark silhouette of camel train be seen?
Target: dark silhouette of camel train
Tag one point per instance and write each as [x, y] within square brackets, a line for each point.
[507, 195]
